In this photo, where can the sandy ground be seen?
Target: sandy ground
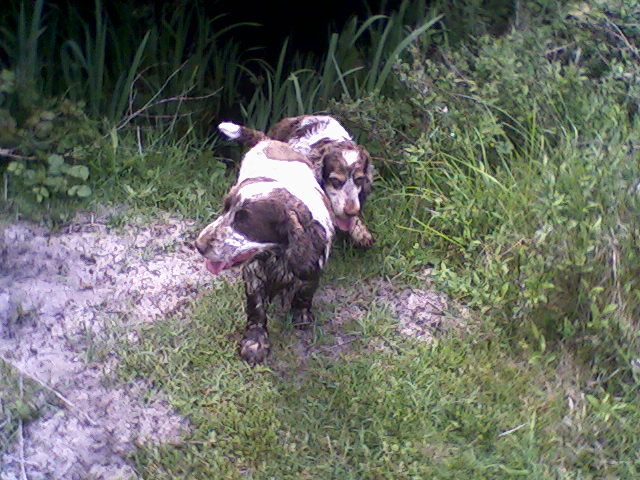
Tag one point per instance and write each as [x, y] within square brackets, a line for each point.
[64, 295]
[58, 294]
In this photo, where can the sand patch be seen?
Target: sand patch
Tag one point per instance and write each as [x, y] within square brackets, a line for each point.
[59, 296]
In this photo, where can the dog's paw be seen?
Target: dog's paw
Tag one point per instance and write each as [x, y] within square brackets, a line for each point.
[361, 236]
[255, 346]
[302, 318]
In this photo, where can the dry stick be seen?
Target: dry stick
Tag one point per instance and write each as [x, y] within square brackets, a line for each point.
[177, 98]
[152, 102]
[5, 152]
[65, 400]
[23, 471]
[514, 429]
[618, 33]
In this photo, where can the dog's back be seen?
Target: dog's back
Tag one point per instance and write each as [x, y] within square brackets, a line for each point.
[305, 131]
[276, 161]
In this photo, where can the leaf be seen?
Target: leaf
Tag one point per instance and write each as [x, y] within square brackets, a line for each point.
[41, 193]
[79, 171]
[7, 81]
[55, 160]
[83, 191]
[56, 183]
[47, 115]
[15, 167]
[43, 129]
[55, 163]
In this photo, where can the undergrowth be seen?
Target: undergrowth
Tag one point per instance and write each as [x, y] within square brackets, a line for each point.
[521, 154]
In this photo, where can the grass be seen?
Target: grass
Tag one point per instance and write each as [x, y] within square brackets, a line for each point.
[123, 61]
[386, 407]
[21, 400]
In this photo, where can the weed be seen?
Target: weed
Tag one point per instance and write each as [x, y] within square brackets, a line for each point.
[386, 407]
[521, 163]
[20, 402]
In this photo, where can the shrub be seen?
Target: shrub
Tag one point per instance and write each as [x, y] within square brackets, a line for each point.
[522, 154]
[41, 144]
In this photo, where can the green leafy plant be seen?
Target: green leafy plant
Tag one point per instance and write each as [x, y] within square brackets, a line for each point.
[42, 145]
[521, 154]
[57, 177]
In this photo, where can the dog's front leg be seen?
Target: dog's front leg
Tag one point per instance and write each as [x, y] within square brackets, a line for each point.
[255, 346]
[360, 235]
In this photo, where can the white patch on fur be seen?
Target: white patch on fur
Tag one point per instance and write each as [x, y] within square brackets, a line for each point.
[295, 177]
[341, 196]
[257, 190]
[328, 127]
[224, 243]
[350, 156]
[230, 129]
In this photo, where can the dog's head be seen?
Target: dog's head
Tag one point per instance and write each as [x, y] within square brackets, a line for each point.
[259, 216]
[346, 176]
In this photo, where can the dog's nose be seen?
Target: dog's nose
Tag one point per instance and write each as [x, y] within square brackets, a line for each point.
[201, 245]
[351, 208]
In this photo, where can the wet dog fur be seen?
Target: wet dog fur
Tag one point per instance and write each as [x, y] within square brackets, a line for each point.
[342, 168]
[278, 225]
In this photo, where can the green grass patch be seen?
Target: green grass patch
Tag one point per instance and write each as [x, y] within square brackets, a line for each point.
[386, 407]
[519, 158]
[21, 401]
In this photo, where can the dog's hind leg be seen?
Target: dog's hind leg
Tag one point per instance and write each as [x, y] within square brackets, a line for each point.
[301, 304]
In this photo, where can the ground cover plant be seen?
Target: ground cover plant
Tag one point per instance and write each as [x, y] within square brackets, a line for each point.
[526, 168]
[506, 147]
[386, 407]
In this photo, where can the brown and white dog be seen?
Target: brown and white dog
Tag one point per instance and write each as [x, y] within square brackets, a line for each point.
[277, 223]
[342, 167]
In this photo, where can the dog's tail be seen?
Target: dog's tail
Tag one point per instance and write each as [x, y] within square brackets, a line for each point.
[246, 136]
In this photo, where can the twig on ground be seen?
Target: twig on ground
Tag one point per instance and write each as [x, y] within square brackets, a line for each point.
[65, 400]
[514, 429]
[23, 471]
[5, 152]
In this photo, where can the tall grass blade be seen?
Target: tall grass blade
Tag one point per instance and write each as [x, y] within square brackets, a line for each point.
[121, 96]
[382, 78]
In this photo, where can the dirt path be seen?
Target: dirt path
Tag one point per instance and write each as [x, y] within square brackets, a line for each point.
[66, 298]
[59, 296]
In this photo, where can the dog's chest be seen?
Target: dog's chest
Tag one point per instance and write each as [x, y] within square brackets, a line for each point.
[270, 271]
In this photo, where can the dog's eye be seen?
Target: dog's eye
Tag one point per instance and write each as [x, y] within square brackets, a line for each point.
[336, 182]
[359, 181]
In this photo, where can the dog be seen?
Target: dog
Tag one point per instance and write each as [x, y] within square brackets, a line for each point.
[342, 168]
[277, 224]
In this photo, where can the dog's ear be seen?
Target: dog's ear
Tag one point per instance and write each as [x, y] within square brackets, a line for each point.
[365, 158]
[306, 245]
[363, 154]
[262, 221]
[318, 155]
